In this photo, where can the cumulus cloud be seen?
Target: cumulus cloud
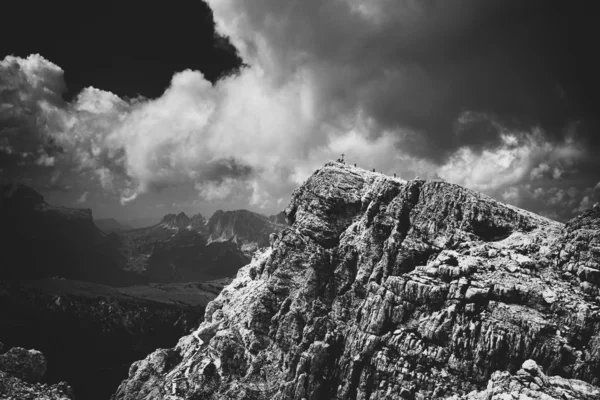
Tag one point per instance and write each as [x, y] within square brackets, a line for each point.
[437, 89]
[521, 156]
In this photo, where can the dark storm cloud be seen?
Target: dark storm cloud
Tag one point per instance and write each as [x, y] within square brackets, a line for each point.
[498, 96]
[28, 91]
[420, 65]
[478, 93]
[227, 168]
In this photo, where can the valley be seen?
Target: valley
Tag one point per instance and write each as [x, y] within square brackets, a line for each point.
[96, 296]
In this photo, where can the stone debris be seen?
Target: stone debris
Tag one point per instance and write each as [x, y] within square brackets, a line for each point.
[21, 373]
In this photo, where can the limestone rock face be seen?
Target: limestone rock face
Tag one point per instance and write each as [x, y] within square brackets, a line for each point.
[531, 383]
[579, 250]
[385, 288]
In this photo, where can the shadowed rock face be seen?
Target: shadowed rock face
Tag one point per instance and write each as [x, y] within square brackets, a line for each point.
[180, 248]
[383, 288]
[579, 251]
[39, 240]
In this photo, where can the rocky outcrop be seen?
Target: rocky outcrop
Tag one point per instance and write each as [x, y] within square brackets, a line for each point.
[27, 365]
[40, 240]
[579, 251]
[385, 288]
[21, 372]
[531, 383]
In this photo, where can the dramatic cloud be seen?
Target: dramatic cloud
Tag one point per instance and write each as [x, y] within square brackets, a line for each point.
[476, 94]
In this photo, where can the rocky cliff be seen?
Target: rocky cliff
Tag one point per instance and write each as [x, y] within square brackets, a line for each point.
[384, 288]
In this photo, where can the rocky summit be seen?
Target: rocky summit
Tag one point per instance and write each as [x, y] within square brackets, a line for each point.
[383, 288]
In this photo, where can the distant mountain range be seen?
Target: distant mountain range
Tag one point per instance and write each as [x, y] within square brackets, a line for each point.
[141, 222]
[40, 240]
[182, 248]
[109, 225]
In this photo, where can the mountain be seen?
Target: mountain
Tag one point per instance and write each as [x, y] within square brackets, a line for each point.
[177, 250]
[181, 248]
[91, 333]
[278, 219]
[247, 229]
[175, 221]
[385, 288]
[40, 240]
[137, 223]
[109, 225]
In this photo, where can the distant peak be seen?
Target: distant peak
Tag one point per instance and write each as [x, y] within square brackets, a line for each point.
[175, 221]
[20, 195]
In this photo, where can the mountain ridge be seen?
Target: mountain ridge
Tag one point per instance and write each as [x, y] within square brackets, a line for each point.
[41, 240]
[181, 248]
[108, 225]
[386, 288]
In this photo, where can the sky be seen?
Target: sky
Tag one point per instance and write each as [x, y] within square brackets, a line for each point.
[137, 110]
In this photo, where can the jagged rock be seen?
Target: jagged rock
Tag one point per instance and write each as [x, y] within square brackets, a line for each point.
[12, 388]
[28, 365]
[530, 383]
[21, 370]
[246, 228]
[176, 221]
[183, 249]
[549, 296]
[578, 250]
[384, 288]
